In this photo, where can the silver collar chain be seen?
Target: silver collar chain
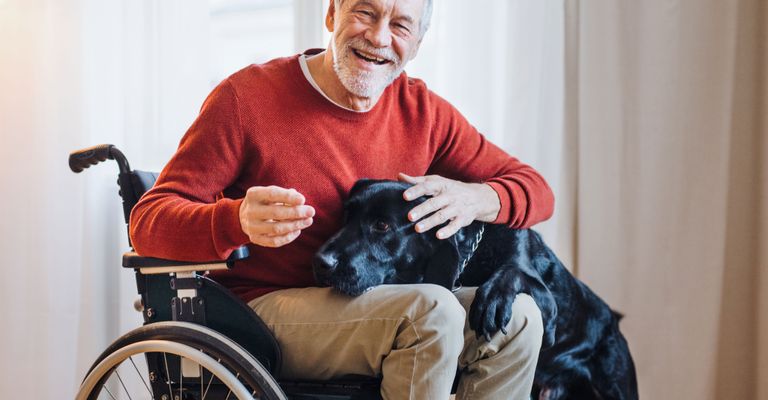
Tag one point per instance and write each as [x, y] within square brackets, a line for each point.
[475, 244]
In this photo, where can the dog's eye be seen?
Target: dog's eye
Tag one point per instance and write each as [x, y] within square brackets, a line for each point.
[381, 226]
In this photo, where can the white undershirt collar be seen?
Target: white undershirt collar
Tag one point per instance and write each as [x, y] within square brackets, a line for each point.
[308, 75]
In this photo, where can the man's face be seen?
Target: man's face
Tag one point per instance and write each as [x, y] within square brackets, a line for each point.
[372, 41]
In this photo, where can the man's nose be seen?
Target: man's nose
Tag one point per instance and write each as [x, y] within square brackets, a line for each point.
[379, 34]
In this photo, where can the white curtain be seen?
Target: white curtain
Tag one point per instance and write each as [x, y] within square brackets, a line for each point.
[672, 184]
[649, 120]
[502, 64]
[76, 73]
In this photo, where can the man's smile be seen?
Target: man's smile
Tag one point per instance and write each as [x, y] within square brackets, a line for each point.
[370, 57]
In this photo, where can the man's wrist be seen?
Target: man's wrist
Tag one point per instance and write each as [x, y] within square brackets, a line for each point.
[490, 204]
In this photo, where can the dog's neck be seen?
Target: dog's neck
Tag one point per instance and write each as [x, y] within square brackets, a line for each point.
[467, 247]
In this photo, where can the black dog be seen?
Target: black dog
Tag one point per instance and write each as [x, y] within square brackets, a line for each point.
[583, 355]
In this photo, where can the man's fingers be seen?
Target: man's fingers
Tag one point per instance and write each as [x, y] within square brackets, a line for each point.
[272, 216]
[431, 185]
[410, 179]
[275, 241]
[280, 212]
[427, 207]
[280, 228]
[450, 229]
[438, 218]
[275, 194]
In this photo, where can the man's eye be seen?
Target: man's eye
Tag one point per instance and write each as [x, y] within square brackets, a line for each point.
[381, 226]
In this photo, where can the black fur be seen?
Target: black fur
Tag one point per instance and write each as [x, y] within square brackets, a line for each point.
[583, 355]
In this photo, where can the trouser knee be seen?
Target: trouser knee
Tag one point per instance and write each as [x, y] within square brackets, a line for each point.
[528, 322]
[439, 315]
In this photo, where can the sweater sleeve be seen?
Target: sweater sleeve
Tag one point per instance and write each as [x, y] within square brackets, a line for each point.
[184, 216]
[466, 155]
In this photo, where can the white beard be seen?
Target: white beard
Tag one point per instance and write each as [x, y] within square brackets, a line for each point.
[365, 84]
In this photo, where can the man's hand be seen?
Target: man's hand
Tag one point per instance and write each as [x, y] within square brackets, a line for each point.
[273, 216]
[454, 201]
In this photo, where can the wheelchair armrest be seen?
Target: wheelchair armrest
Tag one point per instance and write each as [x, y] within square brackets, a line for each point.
[151, 265]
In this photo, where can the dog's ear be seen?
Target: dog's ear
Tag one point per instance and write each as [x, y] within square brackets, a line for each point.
[360, 185]
[443, 267]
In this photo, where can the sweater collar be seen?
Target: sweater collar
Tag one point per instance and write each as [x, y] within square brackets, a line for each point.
[322, 101]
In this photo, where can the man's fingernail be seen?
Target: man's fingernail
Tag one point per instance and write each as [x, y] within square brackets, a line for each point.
[413, 216]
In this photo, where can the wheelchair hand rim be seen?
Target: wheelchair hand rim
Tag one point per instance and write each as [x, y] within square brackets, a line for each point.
[163, 346]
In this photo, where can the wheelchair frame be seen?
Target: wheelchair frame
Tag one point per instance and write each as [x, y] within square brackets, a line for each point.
[197, 321]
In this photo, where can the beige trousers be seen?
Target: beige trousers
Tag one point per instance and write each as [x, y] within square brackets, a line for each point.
[414, 336]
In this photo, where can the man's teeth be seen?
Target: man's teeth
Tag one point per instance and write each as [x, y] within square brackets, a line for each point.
[370, 58]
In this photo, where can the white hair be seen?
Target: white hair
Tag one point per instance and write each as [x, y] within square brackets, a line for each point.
[426, 16]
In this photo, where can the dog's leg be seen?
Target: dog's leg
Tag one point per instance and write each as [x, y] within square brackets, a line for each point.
[613, 373]
[491, 310]
[546, 302]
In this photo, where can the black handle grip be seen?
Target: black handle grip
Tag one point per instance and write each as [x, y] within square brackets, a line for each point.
[82, 159]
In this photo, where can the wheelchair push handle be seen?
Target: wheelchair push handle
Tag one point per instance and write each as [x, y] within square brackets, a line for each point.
[84, 158]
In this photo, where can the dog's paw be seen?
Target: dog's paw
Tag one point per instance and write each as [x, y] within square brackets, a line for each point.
[491, 310]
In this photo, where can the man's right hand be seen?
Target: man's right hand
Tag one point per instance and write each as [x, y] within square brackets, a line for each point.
[272, 216]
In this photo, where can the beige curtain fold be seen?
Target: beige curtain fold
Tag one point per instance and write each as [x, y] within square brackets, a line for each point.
[670, 115]
[761, 280]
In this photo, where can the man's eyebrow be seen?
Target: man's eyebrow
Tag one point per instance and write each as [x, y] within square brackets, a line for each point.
[406, 18]
[364, 3]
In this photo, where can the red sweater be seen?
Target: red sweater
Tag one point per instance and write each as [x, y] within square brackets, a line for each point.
[266, 125]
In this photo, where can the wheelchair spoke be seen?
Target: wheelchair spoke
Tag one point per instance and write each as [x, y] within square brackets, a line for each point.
[209, 382]
[142, 378]
[123, 385]
[231, 369]
[168, 375]
[109, 393]
[230, 390]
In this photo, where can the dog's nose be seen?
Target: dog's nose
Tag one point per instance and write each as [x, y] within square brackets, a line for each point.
[326, 261]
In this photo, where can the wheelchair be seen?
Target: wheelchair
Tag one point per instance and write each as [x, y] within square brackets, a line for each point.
[198, 341]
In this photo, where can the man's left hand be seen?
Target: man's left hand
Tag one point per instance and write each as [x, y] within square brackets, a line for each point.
[454, 201]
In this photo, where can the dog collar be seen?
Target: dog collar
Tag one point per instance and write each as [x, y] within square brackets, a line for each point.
[475, 244]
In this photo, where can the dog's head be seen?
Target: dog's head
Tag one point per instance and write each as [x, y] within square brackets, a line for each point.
[377, 244]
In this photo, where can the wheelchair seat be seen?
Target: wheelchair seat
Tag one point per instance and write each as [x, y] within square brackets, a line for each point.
[189, 317]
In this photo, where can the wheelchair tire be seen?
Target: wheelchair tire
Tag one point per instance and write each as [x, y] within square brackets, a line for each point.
[214, 353]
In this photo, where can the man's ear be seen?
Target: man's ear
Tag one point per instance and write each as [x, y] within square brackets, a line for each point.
[443, 267]
[329, 16]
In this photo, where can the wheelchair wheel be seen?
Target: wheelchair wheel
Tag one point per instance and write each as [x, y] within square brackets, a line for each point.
[177, 361]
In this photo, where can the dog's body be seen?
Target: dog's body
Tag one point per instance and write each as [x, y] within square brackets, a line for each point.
[583, 355]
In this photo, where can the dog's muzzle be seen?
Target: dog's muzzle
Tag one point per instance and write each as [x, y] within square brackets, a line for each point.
[323, 266]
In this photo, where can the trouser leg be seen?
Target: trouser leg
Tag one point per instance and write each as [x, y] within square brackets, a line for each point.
[412, 335]
[504, 367]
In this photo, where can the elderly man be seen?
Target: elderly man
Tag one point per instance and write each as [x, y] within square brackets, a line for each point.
[269, 161]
